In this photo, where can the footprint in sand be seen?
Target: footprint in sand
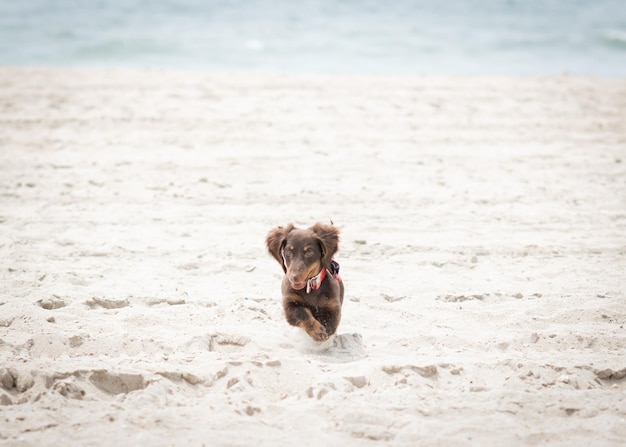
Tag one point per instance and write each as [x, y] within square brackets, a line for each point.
[218, 342]
[227, 342]
[51, 303]
[391, 298]
[121, 383]
[461, 298]
[610, 374]
[191, 379]
[319, 391]
[424, 371]
[15, 379]
[69, 390]
[107, 303]
[358, 381]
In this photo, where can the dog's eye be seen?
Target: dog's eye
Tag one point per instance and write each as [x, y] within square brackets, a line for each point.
[288, 253]
[309, 253]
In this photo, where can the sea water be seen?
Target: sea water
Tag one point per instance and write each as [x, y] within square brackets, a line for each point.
[433, 37]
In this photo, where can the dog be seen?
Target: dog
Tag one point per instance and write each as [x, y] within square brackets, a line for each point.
[312, 288]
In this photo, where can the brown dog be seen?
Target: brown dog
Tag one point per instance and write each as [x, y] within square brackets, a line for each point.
[312, 289]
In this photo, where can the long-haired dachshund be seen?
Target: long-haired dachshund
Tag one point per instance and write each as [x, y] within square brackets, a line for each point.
[312, 289]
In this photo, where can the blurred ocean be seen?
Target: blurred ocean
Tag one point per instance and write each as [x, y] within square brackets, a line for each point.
[448, 37]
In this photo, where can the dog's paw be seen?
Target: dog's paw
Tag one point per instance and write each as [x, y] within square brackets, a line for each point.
[317, 332]
[320, 336]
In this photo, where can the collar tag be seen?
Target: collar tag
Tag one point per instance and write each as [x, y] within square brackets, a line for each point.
[315, 282]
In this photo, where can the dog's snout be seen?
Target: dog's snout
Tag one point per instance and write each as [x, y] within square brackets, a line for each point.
[295, 277]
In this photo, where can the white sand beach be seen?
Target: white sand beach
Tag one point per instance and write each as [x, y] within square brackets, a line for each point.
[483, 252]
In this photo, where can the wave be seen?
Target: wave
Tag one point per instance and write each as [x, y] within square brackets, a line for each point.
[615, 38]
[404, 36]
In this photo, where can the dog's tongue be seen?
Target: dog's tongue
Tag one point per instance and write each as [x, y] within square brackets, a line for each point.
[298, 285]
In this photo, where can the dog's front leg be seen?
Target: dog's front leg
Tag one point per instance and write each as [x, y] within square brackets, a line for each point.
[300, 316]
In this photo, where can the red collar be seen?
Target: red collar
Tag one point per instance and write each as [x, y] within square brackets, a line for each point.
[316, 282]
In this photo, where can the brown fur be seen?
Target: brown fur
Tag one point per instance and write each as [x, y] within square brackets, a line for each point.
[302, 253]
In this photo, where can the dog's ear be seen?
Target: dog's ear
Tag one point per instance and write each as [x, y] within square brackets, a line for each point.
[275, 242]
[328, 237]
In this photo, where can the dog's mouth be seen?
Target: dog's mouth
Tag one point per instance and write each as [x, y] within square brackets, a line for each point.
[298, 285]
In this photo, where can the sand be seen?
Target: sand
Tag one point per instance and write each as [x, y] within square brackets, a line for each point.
[483, 252]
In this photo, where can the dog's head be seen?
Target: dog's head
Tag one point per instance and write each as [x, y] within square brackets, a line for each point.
[302, 253]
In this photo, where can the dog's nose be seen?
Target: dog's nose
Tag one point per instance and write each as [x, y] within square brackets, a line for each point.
[294, 277]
